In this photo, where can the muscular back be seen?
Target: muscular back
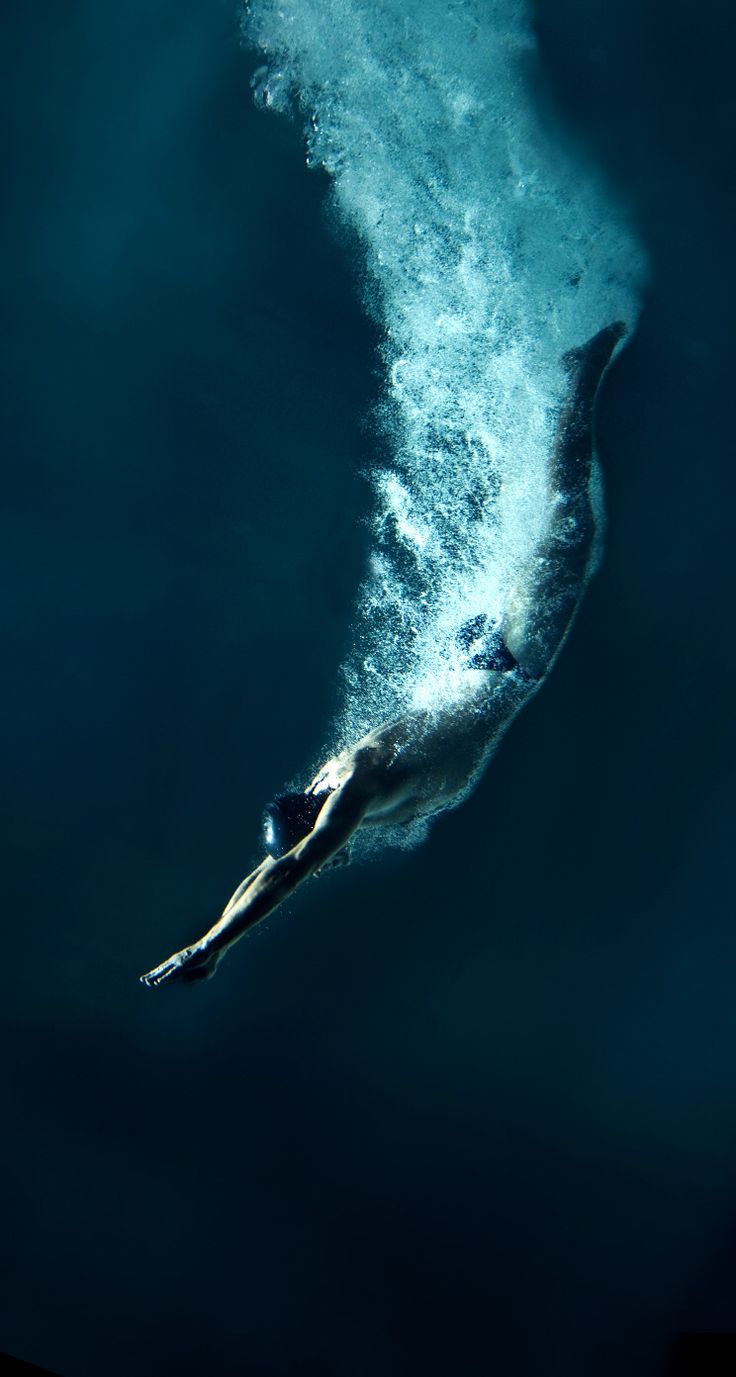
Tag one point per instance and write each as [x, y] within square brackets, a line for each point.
[427, 761]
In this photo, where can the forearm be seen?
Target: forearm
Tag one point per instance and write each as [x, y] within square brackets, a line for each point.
[268, 885]
[246, 884]
[274, 881]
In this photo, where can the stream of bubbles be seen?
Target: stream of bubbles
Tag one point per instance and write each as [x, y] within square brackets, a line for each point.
[489, 252]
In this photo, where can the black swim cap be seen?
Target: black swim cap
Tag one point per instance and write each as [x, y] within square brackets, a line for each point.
[288, 819]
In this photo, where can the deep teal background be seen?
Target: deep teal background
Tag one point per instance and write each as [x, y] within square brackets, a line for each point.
[403, 1131]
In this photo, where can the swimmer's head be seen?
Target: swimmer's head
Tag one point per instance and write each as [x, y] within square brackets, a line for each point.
[288, 819]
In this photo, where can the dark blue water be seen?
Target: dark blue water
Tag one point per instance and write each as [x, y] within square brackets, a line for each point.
[398, 1133]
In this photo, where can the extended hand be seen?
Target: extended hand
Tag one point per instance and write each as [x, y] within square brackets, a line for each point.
[184, 967]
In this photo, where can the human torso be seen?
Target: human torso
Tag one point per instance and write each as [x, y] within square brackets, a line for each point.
[427, 760]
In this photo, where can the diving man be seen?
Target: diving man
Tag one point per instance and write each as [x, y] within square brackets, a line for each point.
[428, 760]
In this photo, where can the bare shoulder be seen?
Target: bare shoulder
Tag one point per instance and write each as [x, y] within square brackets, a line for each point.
[387, 744]
[369, 759]
[422, 761]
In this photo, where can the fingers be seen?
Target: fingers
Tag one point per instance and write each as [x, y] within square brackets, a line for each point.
[166, 971]
[182, 967]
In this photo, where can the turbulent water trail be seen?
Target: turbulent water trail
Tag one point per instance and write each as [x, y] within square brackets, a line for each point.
[490, 252]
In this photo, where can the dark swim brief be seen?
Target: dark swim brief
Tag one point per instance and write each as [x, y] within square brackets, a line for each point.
[485, 646]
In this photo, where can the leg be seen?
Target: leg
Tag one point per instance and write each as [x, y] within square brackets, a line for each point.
[543, 606]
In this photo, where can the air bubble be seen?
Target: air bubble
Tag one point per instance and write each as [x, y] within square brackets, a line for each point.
[490, 251]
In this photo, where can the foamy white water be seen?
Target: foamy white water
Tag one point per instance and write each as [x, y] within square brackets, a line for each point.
[489, 252]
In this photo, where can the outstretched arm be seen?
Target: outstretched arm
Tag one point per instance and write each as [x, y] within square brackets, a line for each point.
[268, 885]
